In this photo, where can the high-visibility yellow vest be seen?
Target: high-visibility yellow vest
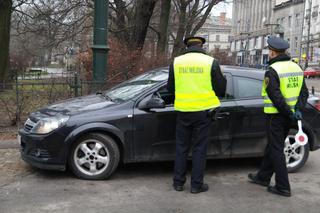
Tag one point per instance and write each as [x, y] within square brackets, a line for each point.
[193, 88]
[291, 80]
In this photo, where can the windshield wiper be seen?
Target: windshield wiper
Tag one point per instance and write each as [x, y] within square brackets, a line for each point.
[108, 97]
[105, 95]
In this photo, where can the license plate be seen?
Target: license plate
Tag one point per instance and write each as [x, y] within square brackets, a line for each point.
[19, 139]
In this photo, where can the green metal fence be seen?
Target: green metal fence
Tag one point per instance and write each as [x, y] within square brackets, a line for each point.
[22, 96]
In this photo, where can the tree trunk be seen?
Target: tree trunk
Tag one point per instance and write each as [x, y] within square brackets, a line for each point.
[178, 42]
[121, 12]
[204, 17]
[143, 13]
[5, 20]
[163, 28]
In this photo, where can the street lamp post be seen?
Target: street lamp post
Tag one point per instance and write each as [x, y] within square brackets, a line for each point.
[308, 35]
[99, 47]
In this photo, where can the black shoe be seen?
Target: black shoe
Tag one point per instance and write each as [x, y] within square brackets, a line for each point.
[203, 188]
[276, 190]
[253, 178]
[177, 187]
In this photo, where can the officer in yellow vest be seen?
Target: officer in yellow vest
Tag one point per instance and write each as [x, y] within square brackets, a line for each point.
[285, 96]
[196, 80]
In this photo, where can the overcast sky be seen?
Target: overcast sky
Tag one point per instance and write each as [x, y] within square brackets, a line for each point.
[223, 7]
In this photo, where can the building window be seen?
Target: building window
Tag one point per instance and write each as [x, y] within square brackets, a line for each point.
[297, 19]
[282, 21]
[217, 37]
[314, 13]
[296, 42]
[289, 21]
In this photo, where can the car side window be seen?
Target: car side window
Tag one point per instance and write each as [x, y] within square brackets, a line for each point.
[166, 96]
[229, 88]
[247, 87]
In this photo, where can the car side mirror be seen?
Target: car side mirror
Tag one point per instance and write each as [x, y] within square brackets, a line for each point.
[153, 103]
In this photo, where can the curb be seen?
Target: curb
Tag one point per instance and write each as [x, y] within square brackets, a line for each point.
[9, 144]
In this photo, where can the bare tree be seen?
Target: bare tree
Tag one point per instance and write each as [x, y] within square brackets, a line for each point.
[192, 14]
[5, 17]
[130, 21]
[51, 24]
[163, 27]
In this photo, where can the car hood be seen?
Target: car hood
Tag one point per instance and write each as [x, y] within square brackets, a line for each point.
[74, 106]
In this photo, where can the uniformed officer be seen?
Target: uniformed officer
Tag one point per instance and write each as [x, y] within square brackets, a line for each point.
[196, 80]
[285, 96]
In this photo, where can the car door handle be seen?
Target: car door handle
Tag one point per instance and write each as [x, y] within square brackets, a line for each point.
[222, 115]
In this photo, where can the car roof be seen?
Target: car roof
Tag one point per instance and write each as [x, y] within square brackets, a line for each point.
[244, 71]
[233, 70]
[312, 68]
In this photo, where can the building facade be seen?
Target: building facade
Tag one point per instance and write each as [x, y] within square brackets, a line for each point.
[251, 24]
[289, 15]
[254, 20]
[311, 26]
[217, 31]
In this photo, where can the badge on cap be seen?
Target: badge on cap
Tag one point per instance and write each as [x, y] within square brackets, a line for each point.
[194, 39]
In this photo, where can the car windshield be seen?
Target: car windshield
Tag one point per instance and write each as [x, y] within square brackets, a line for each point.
[133, 87]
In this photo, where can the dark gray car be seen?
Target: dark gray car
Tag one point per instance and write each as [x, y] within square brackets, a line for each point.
[135, 122]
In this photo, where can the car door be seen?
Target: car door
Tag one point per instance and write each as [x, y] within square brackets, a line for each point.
[250, 133]
[154, 129]
[221, 130]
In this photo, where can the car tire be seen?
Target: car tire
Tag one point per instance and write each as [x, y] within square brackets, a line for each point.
[296, 156]
[94, 157]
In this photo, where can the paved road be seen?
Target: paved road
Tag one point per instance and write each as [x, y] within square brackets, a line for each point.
[147, 188]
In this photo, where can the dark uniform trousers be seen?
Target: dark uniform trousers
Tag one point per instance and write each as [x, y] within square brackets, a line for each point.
[191, 131]
[274, 160]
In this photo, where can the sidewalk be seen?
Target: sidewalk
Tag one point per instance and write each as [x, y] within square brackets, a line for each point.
[9, 144]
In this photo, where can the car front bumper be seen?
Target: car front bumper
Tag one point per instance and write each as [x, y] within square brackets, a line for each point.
[43, 151]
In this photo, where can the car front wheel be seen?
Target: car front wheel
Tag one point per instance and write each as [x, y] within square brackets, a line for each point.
[296, 155]
[94, 157]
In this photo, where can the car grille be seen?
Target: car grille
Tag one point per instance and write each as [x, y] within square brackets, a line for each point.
[39, 153]
[29, 125]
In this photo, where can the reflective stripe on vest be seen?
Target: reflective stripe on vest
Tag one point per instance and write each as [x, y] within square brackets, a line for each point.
[193, 89]
[291, 80]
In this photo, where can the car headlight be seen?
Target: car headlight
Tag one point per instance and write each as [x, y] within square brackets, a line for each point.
[46, 125]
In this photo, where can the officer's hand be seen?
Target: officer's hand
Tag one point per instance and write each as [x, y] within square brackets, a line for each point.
[298, 115]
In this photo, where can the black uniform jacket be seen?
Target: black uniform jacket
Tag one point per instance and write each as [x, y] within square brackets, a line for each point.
[274, 93]
[218, 81]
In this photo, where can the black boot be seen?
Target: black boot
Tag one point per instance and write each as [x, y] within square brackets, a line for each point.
[203, 188]
[177, 187]
[253, 178]
[276, 190]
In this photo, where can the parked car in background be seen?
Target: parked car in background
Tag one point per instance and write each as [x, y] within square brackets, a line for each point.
[135, 122]
[312, 72]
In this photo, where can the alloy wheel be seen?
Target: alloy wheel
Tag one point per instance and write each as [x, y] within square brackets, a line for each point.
[293, 151]
[91, 157]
